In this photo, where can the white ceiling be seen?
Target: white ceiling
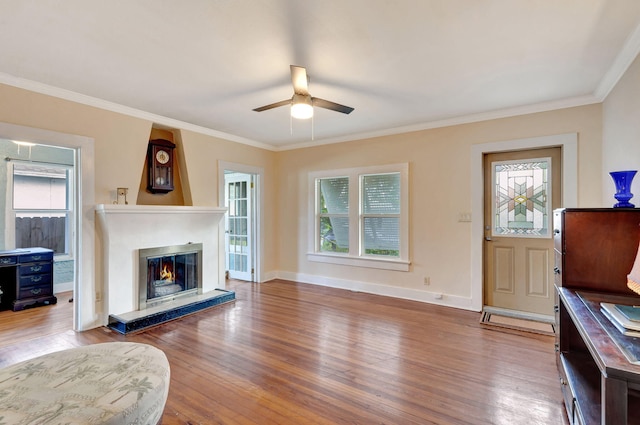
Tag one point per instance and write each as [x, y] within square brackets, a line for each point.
[402, 64]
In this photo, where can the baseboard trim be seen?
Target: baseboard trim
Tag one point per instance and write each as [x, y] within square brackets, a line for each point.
[62, 287]
[379, 289]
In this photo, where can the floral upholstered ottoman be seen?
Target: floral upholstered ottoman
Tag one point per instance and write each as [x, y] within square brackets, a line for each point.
[111, 383]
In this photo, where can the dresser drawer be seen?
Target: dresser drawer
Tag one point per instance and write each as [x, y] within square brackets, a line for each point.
[35, 279]
[34, 257]
[36, 268]
[35, 291]
[8, 260]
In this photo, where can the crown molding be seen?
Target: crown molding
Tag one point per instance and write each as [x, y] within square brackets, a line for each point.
[160, 120]
[448, 122]
[624, 59]
[622, 62]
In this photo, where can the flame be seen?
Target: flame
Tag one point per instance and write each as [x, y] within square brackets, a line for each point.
[166, 274]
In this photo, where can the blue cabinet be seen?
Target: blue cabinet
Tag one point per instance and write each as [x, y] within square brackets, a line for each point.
[26, 278]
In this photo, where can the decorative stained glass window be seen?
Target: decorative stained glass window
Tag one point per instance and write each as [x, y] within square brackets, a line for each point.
[522, 198]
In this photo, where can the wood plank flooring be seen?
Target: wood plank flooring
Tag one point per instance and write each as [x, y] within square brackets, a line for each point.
[289, 353]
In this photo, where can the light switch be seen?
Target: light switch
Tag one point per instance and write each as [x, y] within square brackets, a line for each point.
[464, 217]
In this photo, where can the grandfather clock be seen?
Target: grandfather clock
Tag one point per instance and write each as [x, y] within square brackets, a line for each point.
[160, 166]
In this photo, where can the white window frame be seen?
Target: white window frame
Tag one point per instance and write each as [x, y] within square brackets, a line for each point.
[10, 212]
[355, 257]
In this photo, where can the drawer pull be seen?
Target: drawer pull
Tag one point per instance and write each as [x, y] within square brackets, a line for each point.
[36, 257]
[36, 291]
[5, 260]
[35, 268]
[36, 278]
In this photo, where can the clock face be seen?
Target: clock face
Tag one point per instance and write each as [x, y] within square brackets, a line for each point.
[162, 157]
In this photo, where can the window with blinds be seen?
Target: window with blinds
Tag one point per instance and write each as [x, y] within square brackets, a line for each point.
[334, 214]
[380, 217]
[361, 215]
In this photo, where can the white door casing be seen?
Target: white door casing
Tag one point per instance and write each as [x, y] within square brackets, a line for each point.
[569, 144]
[257, 174]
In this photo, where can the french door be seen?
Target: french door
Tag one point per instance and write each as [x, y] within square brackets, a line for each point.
[239, 243]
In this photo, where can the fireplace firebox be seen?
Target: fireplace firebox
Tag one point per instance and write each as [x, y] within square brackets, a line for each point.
[168, 273]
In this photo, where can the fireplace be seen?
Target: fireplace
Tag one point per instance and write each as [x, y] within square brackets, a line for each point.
[168, 273]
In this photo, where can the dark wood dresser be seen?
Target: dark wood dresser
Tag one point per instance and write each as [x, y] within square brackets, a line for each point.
[26, 278]
[599, 366]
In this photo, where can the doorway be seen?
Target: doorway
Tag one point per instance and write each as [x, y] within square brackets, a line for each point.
[239, 223]
[241, 197]
[38, 205]
[521, 190]
[84, 308]
[568, 142]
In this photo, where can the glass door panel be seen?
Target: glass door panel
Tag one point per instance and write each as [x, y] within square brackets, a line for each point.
[238, 233]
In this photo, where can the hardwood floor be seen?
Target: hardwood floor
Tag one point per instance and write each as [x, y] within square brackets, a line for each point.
[289, 353]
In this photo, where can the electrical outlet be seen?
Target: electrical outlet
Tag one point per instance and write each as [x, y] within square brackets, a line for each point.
[427, 280]
[98, 297]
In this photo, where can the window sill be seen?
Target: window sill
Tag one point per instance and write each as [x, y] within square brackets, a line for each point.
[369, 262]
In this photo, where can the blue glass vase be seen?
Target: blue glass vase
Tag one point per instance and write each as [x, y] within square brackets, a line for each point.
[622, 180]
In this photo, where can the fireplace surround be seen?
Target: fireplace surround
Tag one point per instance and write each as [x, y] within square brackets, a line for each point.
[126, 229]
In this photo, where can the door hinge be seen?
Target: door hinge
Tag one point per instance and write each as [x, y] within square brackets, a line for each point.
[251, 185]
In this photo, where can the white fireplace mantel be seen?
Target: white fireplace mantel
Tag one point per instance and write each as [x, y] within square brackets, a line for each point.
[127, 228]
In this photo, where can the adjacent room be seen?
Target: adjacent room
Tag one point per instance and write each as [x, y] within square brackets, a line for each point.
[320, 212]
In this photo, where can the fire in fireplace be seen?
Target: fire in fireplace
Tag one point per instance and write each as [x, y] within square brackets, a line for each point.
[169, 272]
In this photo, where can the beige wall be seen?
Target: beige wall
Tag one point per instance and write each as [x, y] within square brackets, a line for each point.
[120, 146]
[440, 189]
[120, 141]
[621, 133]
[440, 180]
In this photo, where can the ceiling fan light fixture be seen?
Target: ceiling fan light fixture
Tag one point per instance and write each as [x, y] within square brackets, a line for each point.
[301, 103]
[301, 107]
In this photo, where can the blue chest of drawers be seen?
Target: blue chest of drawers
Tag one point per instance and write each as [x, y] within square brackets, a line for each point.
[26, 278]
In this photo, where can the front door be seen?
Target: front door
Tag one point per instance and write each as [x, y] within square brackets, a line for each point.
[239, 225]
[521, 190]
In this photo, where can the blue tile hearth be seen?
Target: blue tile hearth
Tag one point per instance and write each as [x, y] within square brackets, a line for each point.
[140, 320]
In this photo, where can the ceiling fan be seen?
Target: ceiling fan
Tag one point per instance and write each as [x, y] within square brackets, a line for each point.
[302, 102]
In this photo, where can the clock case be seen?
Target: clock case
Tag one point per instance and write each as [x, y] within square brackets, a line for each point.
[160, 176]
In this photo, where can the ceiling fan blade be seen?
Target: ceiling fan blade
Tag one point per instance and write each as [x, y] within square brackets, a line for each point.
[273, 105]
[299, 80]
[321, 103]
